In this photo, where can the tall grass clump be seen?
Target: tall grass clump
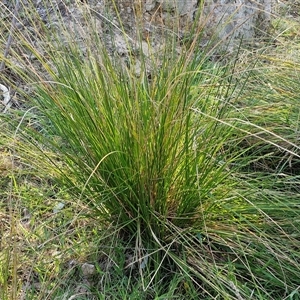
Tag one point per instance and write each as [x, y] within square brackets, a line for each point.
[155, 143]
[134, 146]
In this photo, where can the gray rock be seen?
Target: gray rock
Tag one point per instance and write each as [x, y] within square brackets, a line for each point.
[88, 270]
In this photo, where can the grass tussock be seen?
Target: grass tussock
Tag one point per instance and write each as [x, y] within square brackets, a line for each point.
[153, 172]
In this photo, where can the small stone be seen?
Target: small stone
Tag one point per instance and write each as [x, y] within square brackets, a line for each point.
[88, 270]
[149, 5]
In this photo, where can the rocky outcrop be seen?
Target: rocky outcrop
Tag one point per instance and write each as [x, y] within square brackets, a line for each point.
[242, 18]
[226, 19]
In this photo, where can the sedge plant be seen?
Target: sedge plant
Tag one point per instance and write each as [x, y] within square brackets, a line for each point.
[152, 142]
